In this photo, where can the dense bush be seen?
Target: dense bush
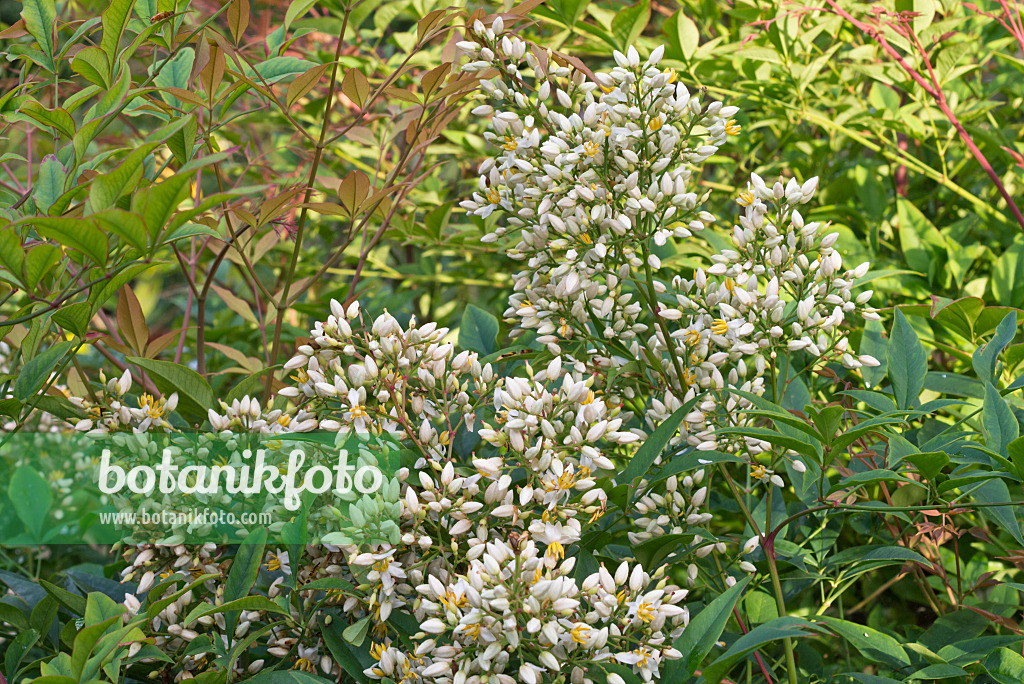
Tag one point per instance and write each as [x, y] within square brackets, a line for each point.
[686, 332]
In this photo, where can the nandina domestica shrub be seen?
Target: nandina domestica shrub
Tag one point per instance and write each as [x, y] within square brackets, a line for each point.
[691, 446]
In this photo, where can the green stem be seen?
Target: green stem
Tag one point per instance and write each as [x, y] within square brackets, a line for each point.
[768, 544]
[301, 224]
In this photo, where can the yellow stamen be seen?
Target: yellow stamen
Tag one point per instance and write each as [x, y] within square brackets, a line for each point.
[555, 551]
[579, 633]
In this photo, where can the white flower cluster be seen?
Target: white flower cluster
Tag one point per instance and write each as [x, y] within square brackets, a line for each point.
[477, 622]
[596, 176]
[387, 378]
[107, 412]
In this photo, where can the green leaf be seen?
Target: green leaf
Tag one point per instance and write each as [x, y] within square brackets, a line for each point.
[985, 357]
[998, 421]
[929, 464]
[629, 23]
[174, 73]
[858, 480]
[181, 144]
[689, 36]
[100, 293]
[13, 616]
[57, 119]
[31, 498]
[955, 384]
[17, 650]
[700, 636]
[73, 602]
[1008, 274]
[343, 652]
[86, 639]
[245, 568]
[760, 607]
[158, 202]
[1015, 450]
[653, 552]
[1005, 666]
[479, 331]
[776, 630]
[40, 18]
[115, 21]
[995, 491]
[12, 253]
[873, 645]
[908, 362]
[78, 234]
[937, 671]
[37, 371]
[195, 396]
[920, 241]
[655, 444]
[39, 261]
[126, 225]
[50, 183]
[569, 11]
[276, 68]
[260, 603]
[105, 189]
[355, 633]
[875, 555]
[874, 343]
[296, 9]
[91, 63]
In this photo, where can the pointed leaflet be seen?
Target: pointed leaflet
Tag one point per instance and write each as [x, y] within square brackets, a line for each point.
[999, 423]
[40, 17]
[478, 331]
[654, 444]
[985, 356]
[131, 321]
[76, 233]
[689, 36]
[50, 183]
[875, 645]
[908, 363]
[107, 188]
[57, 119]
[238, 18]
[700, 635]
[35, 373]
[174, 73]
[31, 498]
[995, 491]
[195, 396]
[774, 630]
[245, 568]
[115, 20]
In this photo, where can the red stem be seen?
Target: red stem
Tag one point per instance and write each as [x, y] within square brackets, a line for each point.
[757, 656]
[935, 92]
